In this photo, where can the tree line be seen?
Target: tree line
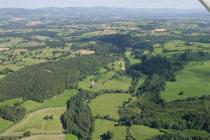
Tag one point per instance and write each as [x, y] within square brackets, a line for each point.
[12, 113]
[78, 119]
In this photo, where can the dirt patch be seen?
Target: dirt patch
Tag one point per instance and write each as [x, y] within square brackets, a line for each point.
[4, 49]
[86, 52]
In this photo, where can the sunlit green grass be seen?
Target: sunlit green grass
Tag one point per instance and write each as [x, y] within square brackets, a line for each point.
[60, 100]
[108, 104]
[102, 126]
[4, 124]
[70, 137]
[193, 80]
[131, 58]
[141, 132]
[29, 105]
[36, 123]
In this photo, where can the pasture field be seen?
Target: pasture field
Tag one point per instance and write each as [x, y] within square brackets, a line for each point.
[60, 100]
[11, 42]
[70, 137]
[108, 81]
[108, 104]
[102, 126]
[193, 80]
[112, 79]
[4, 124]
[11, 102]
[141, 132]
[36, 123]
[29, 105]
[188, 132]
[46, 137]
[132, 60]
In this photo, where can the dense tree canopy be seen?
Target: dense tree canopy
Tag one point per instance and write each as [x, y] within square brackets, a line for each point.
[40, 82]
[78, 119]
[12, 113]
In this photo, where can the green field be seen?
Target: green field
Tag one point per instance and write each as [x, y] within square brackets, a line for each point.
[112, 79]
[193, 80]
[11, 102]
[70, 137]
[108, 104]
[188, 132]
[141, 132]
[107, 81]
[60, 100]
[46, 137]
[4, 124]
[102, 126]
[29, 105]
[36, 123]
[131, 59]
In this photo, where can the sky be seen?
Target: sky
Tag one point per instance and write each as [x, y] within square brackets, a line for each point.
[178, 4]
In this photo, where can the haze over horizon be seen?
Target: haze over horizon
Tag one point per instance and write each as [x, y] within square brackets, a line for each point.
[33, 4]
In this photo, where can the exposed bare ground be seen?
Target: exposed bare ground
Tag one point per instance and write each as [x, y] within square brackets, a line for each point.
[86, 52]
[4, 49]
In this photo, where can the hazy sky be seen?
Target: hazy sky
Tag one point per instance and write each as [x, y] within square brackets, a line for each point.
[182, 4]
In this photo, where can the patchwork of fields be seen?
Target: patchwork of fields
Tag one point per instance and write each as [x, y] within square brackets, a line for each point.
[115, 86]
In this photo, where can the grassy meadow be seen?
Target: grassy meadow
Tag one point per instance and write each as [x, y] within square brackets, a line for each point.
[36, 123]
[60, 100]
[47, 137]
[70, 137]
[193, 80]
[112, 79]
[141, 132]
[29, 105]
[4, 124]
[108, 104]
[102, 126]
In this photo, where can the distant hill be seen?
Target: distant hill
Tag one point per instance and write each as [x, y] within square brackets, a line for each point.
[101, 12]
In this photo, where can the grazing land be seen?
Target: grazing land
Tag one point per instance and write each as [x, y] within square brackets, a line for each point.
[60, 100]
[47, 137]
[36, 123]
[140, 132]
[193, 80]
[29, 105]
[108, 104]
[70, 137]
[102, 126]
[111, 78]
[4, 124]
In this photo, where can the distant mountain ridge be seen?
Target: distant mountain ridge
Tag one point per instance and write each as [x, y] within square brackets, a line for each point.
[100, 12]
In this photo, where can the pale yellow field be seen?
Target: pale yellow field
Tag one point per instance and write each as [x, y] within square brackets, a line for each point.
[46, 137]
[35, 123]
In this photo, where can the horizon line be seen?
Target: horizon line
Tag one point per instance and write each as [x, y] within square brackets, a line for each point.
[100, 7]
